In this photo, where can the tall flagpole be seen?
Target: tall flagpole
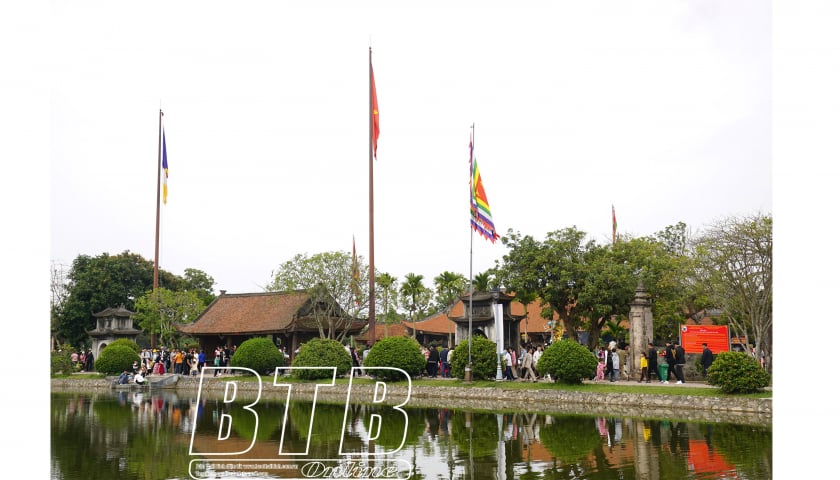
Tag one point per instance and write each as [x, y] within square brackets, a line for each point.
[468, 369]
[157, 214]
[371, 277]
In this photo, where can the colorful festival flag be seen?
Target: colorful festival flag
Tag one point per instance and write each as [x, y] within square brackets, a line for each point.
[480, 217]
[165, 170]
[375, 112]
[615, 224]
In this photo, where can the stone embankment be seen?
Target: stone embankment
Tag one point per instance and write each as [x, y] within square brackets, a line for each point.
[742, 410]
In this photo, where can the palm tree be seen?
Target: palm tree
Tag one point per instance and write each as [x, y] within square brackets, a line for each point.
[482, 282]
[614, 329]
[411, 290]
[386, 282]
[449, 286]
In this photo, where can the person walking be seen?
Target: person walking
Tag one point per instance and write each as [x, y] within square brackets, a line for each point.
[671, 361]
[616, 361]
[653, 363]
[528, 366]
[643, 366]
[679, 358]
[706, 359]
[432, 362]
[506, 358]
[444, 362]
[622, 363]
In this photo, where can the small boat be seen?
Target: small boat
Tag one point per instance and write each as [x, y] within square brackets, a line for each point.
[130, 386]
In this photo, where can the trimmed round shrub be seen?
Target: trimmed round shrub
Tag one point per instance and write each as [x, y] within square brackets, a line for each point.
[321, 352]
[568, 362]
[396, 352]
[736, 372]
[114, 359]
[483, 358]
[259, 354]
[128, 343]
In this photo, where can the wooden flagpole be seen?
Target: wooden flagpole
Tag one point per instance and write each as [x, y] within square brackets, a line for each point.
[157, 215]
[468, 368]
[371, 276]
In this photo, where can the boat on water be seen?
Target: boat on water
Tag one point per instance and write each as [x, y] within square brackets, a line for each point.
[166, 380]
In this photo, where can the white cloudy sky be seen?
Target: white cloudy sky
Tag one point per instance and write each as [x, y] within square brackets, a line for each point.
[659, 108]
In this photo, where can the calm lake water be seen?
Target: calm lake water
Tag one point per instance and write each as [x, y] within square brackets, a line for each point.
[148, 435]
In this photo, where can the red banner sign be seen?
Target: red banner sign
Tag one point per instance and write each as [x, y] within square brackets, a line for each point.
[692, 338]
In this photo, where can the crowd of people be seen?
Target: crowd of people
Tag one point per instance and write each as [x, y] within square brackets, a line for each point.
[187, 362]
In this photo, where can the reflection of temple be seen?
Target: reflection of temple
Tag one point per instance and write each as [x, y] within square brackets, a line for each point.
[483, 322]
[112, 324]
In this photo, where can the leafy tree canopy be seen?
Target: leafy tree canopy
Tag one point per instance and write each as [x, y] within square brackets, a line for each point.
[328, 278]
[160, 311]
[106, 281]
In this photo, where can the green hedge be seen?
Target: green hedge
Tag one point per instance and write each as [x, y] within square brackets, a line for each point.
[114, 359]
[737, 372]
[128, 343]
[259, 354]
[321, 352]
[396, 352]
[483, 358]
[568, 362]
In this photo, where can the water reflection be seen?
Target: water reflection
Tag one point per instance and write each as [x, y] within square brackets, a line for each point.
[143, 435]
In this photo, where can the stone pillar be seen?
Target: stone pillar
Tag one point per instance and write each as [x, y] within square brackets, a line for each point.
[641, 327]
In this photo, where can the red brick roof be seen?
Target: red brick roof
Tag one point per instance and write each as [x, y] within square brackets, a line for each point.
[248, 313]
[394, 330]
[438, 323]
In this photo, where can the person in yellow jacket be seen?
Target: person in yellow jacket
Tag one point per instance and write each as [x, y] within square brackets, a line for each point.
[643, 365]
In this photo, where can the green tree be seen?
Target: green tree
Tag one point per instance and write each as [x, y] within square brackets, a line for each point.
[105, 281]
[587, 284]
[157, 312]
[327, 277]
[414, 296]
[386, 289]
[553, 269]
[481, 281]
[449, 287]
[735, 264]
[201, 283]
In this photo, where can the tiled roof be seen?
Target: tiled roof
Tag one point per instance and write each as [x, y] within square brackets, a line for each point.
[120, 311]
[248, 313]
[394, 330]
[534, 323]
[438, 323]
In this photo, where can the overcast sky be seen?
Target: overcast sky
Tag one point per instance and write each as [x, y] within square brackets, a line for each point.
[661, 109]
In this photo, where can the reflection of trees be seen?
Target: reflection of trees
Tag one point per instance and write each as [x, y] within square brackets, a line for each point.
[326, 428]
[391, 433]
[570, 438]
[99, 438]
[270, 421]
[484, 433]
[753, 462]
